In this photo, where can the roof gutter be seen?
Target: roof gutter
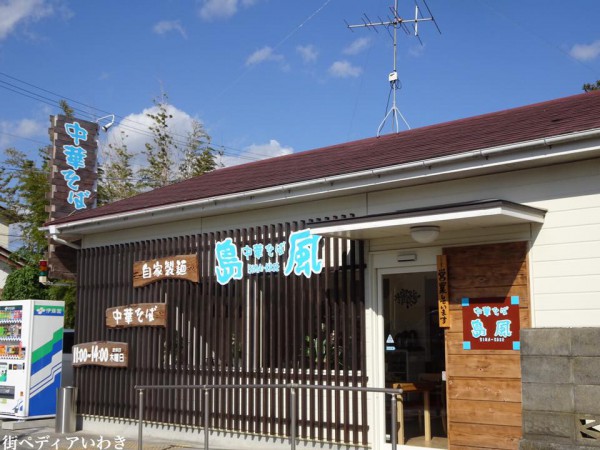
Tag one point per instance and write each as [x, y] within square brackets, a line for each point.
[190, 208]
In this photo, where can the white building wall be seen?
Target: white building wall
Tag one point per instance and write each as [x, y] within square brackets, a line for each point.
[565, 253]
[5, 269]
[4, 235]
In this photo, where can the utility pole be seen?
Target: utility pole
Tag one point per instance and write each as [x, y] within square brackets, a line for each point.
[396, 22]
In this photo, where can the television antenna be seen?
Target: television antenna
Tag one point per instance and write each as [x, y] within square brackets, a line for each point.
[395, 21]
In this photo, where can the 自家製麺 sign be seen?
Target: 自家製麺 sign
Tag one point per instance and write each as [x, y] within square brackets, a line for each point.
[137, 315]
[104, 353]
[182, 267]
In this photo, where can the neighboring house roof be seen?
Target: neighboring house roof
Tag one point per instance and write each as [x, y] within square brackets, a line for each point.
[542, 120]
[5, 258]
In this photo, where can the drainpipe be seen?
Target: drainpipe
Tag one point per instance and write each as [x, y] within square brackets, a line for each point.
[54, 237]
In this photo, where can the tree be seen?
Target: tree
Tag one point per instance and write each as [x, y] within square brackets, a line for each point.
[23, 188]
[22, 284]
[167, 159]
[116, 177]
[198, 155]
[67, 110]
[588, 87]
[159, 171]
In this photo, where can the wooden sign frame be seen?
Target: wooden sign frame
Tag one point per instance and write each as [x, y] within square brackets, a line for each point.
[180, 267]
[491, 323]
[101, 353]
[137, 315]
[443, 292]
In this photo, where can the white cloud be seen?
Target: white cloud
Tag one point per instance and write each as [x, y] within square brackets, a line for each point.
[137, 130]
[256, 151]
[222, 9]
[357, 46]
[11, 131]
[416, 50]
[343, 69]
[262, 55]
[308, 53]
[16, 12]
[166, 26]
[585, 52]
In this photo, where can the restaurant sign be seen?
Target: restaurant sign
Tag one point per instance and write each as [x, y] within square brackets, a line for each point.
[137, 315]
[105, 353]
[443, 292]
[491, 323]
[302, 249]
[183, 267]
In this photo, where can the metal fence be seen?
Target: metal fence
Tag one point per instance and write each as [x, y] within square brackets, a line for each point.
[292, 412]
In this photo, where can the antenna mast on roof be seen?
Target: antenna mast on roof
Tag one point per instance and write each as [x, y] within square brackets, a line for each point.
[395, 22]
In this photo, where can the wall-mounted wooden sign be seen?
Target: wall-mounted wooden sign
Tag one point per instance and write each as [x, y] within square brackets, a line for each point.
[183, 267]
[491, 323]
[137, 315]
[443, 292]
[104, 353]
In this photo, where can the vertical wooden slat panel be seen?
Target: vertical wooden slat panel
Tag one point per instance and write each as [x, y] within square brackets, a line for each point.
[492, 270]
[268, 315]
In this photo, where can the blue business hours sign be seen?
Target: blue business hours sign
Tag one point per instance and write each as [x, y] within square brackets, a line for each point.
[302, 257]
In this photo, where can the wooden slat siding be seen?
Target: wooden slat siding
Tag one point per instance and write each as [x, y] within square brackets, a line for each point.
[484, 386]
[319, 297]
[475, 436]
[220, 320]
[362, 341]
[196, 346]
[336, 320]
[329, 286]
[273, 335]
[345, 343]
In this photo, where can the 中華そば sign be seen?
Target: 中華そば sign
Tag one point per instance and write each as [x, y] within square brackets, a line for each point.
[491, 323]
[182, 267]
[137, 315]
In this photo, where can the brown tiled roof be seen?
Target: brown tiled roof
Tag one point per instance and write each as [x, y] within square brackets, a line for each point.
[551, 118]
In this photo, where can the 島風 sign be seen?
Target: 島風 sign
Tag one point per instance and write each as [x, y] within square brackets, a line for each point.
[302, 257]
[491, 323]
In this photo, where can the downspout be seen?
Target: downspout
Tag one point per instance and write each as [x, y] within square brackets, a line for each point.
[54, 237]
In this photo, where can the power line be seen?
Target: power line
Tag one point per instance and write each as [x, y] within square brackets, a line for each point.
[34, 96]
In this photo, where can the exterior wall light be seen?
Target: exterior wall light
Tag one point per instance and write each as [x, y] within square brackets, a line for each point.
[425, 234]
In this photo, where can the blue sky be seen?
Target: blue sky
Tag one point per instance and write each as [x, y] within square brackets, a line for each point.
[268, 77]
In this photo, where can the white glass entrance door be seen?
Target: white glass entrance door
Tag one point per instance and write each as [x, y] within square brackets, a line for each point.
[414, 357]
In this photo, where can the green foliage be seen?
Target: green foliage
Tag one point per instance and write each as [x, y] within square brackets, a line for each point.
[116, 176]
[22, 284]
[198, 155]
[23, 191]
[589, 87]
[159, 171]
[167, 159]
[66, 108]
[66, 292]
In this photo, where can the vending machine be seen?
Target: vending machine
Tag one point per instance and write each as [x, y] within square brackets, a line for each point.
[31, 336]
